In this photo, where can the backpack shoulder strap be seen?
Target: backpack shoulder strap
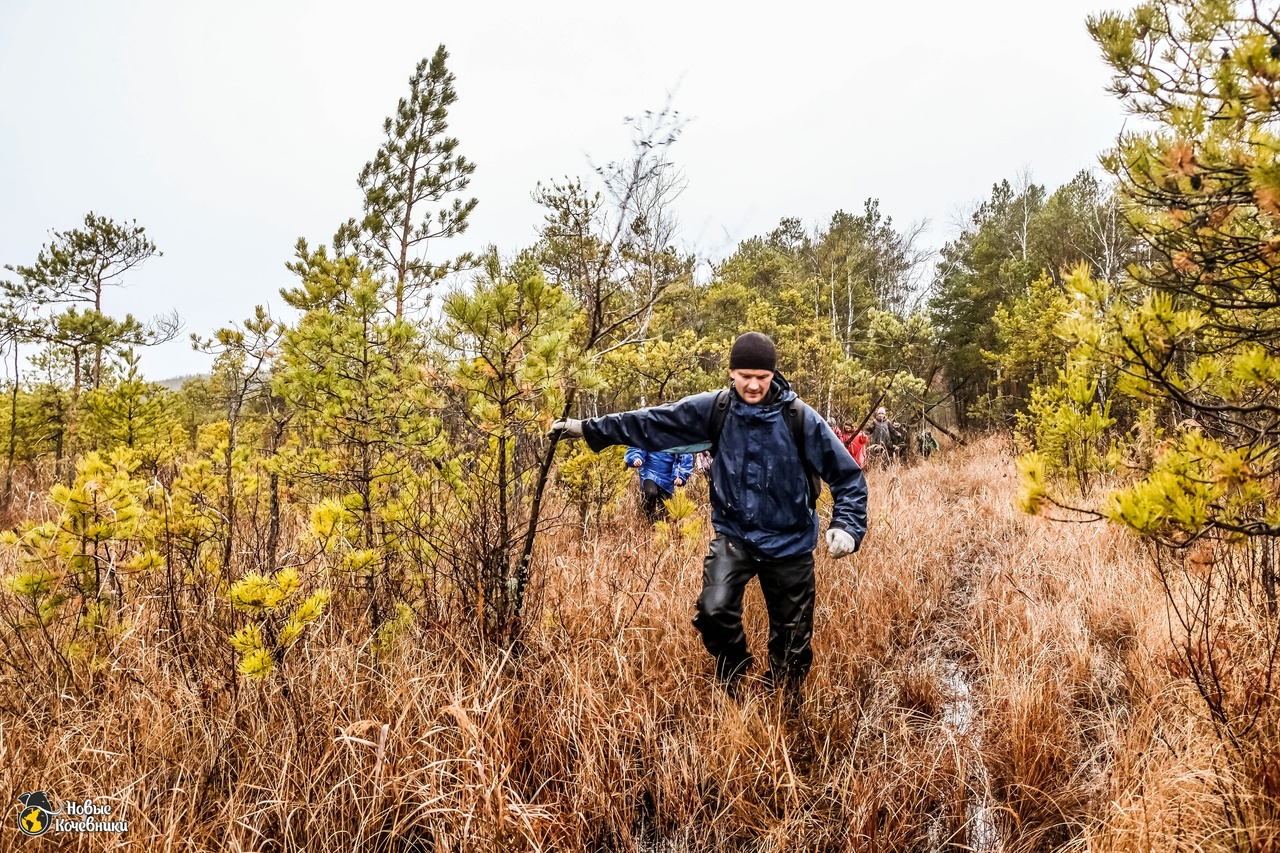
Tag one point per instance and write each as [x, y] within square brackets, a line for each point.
[795, 419]
[718, 413]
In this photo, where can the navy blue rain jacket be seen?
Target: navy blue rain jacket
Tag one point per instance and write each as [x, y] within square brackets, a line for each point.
[760, 494]
[663, 468]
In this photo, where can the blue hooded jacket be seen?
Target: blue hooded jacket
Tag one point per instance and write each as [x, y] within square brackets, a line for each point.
[759, 490]
[663, 468]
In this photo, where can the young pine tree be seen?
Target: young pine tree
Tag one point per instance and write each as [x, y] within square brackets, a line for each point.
[355, 378]
[1192, 337]
[407, 185]
[135, 414]
[511, 337]
[241, 374]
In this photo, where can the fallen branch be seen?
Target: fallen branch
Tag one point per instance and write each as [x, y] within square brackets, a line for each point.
[949, 434]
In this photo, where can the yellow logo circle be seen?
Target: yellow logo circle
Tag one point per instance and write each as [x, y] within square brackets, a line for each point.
[34, 821]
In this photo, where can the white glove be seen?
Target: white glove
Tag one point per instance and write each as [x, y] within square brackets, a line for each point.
[840, 543]
[567, 427]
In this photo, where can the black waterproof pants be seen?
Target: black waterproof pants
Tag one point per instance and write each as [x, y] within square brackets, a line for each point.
[788, 589]
[654, 495]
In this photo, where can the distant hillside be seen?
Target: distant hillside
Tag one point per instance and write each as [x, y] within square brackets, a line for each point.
[174, 383]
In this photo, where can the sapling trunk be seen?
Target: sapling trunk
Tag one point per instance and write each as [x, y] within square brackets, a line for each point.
[544, 474]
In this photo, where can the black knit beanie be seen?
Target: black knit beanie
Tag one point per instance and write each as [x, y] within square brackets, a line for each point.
[753, 351]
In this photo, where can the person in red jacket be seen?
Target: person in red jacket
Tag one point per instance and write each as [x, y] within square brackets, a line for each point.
[857, 444]
[854, 441]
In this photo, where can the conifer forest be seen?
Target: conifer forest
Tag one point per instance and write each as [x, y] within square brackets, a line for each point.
[348, 590]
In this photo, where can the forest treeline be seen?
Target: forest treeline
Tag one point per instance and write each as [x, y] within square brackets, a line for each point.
[1090, 319]
[404, 417]
[413, 439]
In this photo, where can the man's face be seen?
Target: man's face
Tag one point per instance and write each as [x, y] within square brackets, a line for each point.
[751, 385]
[880, 414]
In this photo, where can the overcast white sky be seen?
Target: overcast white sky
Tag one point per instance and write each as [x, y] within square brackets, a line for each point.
[230, 129]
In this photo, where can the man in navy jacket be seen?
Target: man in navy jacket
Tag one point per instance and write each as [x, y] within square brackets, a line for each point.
[761, 505]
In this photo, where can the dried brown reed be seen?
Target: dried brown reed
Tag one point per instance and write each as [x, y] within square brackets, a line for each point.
[983, 680]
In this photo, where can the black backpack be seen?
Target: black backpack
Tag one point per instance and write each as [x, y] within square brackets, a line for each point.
[795, 420]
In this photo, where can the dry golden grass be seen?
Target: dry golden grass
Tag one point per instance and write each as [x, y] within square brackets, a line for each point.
[983, 679]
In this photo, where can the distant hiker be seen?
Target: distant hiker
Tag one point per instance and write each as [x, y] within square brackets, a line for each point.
[660, 473]
[926, 444]
[897, 439]
[889, 435]
[857, 444]
[769, 450]
[882, 430]
[702, 465]
[842, 433]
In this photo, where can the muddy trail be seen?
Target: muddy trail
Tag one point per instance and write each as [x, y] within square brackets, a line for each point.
[942, 659]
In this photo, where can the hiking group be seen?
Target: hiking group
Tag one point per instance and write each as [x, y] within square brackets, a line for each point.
[769, 454]
[883, 440]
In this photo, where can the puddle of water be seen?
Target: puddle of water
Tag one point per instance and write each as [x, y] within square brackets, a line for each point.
[959, 712]
[958, 716]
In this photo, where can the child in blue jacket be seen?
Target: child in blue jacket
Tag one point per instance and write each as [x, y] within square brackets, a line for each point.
[660, 473]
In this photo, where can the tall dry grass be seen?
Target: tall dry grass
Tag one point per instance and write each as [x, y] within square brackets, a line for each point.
[983, 680]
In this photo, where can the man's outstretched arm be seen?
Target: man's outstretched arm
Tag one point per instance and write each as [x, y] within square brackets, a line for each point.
[675, 425]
